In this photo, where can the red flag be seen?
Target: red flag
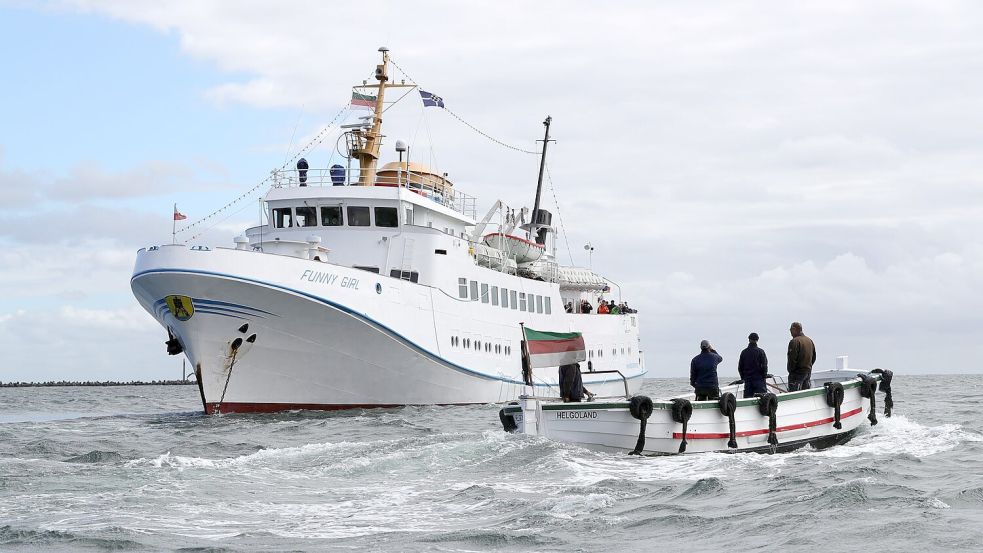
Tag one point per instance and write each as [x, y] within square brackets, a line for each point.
[178, 216]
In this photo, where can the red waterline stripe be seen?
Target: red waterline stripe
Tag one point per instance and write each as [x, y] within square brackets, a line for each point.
[236, 407]
[724, 435]
[556, 346]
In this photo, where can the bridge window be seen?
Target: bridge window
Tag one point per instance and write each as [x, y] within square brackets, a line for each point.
[484, 293]
[522, 301]
[331, 216]
[386, 217]
[505, 298]
[474, 290]
[306, 217]
[494, 295]
[548, 309]
[512, 302]
[358, 216]
[282, 217]
[539, 304]
[462, 288]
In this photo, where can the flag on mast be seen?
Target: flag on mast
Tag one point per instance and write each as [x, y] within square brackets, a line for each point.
[431, 99]
[178, 216]
[363, 101]
[552, 349]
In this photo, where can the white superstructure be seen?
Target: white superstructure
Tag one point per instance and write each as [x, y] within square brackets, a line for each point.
[376, 287]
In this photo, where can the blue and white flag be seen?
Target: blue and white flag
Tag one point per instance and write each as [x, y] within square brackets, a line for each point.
[431, 99]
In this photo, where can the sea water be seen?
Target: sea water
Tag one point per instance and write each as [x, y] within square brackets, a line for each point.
[141, 469]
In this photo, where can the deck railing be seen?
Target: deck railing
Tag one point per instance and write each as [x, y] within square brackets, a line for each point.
[427, 185]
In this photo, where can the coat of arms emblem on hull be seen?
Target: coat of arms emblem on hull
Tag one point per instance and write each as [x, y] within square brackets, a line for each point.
[181, 307]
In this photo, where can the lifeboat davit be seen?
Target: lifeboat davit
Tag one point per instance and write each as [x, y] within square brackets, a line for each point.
[523, 250]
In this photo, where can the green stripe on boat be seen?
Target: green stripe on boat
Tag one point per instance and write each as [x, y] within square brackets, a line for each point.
[712, 404]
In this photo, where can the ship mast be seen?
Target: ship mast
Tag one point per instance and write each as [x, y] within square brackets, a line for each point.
[367, 143]
[534, 224]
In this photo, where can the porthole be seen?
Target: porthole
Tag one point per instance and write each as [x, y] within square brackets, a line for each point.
[378, 288]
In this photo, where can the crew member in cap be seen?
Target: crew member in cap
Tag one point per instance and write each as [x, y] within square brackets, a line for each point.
[703, 373]
[801, 357]
[753, 367]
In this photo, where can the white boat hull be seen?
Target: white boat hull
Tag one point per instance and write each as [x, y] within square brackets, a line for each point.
[802, 418]
[361, 340]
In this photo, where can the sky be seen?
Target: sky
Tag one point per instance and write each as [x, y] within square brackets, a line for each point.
[735, 165]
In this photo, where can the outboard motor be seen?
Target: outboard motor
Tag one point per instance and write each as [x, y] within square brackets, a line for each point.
[337, 175]
[302, 171]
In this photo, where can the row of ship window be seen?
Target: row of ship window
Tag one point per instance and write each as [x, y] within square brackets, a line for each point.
[468, 343]
[591, 353]
[334, 216]
[478, 345]
[475, 291]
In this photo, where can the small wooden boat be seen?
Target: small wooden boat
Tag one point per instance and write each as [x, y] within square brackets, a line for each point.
[827, 414]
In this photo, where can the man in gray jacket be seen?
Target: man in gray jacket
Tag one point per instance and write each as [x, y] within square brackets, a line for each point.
[801, 356]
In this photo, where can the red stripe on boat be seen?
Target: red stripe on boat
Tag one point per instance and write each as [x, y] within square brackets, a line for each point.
[743, 433]
[236, 407]
[556, 346]
[531, 243]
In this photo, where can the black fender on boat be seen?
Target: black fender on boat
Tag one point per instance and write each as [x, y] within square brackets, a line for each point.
[682, 410]
[887, 375]
[868, 387]
[728, 406]
[508, 421]
[641, 408]
[834, 398]
[768, 406]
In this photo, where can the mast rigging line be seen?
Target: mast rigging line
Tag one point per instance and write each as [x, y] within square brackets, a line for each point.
[318, 138]
[556, 202]
[458, 117]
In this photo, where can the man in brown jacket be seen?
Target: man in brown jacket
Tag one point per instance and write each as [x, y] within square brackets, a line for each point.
[801, 356]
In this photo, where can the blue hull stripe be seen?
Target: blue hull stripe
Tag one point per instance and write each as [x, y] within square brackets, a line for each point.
[368, 320]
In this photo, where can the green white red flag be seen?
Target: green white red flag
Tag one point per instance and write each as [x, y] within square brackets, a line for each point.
[363, 101]
[552, 349]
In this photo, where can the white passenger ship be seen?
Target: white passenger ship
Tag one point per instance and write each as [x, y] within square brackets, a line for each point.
[377, 287]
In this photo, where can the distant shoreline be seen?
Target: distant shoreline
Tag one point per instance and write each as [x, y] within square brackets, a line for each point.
[52, 383]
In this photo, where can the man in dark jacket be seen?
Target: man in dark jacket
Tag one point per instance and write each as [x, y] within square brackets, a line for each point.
[753, 366]
[703, 373]
[572, 385]
[801, 356]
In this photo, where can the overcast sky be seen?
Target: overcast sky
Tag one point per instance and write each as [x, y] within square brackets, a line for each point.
[736, 165]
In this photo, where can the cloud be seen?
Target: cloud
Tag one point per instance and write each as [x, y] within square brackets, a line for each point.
[736, 166]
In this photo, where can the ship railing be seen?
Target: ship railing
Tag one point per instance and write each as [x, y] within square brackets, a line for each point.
[425, 184]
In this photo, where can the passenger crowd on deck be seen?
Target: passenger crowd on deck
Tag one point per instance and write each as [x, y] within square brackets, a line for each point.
[603, 307]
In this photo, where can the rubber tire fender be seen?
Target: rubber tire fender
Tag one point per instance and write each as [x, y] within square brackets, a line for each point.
[681, 412]
[640, 407]
[728, 406]
[508, 421]
[834, 398]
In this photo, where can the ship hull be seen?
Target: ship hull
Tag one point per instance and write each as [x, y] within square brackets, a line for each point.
[265, 339]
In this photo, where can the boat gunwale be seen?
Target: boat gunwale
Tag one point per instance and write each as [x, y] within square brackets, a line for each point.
[666, 405]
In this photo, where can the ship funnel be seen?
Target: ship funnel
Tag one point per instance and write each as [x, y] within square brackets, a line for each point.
[337, 175]
[302, 167]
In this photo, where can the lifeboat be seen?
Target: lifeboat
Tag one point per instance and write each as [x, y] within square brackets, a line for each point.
[524, 251]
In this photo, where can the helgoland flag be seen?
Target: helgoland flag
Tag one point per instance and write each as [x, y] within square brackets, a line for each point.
[431, 99]
[552, 349]
[363, 101]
